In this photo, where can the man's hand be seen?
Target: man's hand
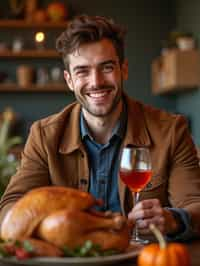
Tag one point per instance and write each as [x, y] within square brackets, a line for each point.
[150, 211]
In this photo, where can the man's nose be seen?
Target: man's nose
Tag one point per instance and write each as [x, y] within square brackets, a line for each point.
[96, 78]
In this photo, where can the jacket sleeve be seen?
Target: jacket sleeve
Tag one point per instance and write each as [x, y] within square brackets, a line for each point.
[184, 180]
[32, 172]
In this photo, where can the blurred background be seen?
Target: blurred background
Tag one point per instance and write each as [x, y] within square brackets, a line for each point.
[161, 46]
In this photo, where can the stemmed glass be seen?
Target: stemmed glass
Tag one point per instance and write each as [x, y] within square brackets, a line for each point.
[135, 172]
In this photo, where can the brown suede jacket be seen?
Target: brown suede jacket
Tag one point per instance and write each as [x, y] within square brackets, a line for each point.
[55, 155]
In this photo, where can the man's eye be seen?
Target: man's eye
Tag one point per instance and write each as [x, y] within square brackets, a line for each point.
[81, 73]
[108, 68]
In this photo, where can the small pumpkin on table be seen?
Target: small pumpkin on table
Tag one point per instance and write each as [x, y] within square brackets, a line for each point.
[163, 253]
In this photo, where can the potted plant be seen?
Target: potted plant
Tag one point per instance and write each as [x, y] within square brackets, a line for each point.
[8, 162]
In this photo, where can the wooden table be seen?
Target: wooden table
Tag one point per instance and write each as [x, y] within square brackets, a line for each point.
[194, 248]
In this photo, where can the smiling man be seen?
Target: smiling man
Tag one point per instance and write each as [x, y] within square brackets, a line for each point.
[80, 146]
[96, 76]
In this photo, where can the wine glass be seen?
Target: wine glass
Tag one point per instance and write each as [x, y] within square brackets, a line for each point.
[135, 172]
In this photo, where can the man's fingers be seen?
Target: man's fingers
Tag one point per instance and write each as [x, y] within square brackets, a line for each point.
[144, 224]
[141, 214]
[147, 204]
[149, 232]
[146, 213]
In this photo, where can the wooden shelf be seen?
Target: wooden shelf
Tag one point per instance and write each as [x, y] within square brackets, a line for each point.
[10, 23]
[52, 87]
[46, 53]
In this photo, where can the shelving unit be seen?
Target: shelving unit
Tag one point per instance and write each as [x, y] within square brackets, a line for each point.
[11, 23]
[31, 54]
[47, 53]
[52, 87]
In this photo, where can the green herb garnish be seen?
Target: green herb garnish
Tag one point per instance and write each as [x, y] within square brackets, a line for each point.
[88, 249]
[3, 253]
[27, 246]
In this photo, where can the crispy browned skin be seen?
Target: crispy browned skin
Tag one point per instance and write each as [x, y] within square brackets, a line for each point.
[74, 227]
[37, 204]
[44, 249]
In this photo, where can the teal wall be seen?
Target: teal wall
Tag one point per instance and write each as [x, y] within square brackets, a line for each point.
[188, 19]
[147, 22]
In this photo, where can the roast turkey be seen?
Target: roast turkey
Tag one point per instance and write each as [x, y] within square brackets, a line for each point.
[74, 227]
[64, 217]
[30, 210]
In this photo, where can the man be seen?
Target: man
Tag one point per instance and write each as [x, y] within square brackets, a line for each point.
[79, 147]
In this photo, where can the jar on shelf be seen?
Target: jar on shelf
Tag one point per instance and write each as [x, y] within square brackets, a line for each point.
[56, 74]
[18, 44]
[25, 75]
[42, 76]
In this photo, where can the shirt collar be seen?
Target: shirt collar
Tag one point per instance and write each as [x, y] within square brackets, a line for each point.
[83, 127]
[119, 129]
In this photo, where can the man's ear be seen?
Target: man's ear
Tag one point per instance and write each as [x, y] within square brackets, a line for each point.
[125, 69]
[68, 80]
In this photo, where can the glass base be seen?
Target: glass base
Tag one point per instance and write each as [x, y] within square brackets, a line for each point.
[139, 240]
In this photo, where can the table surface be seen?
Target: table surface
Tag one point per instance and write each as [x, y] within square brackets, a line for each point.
[193, 246]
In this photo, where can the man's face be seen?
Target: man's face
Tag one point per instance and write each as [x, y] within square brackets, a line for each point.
[96, 77]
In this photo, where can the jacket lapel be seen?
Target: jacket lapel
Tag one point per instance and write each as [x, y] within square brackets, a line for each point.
[71, 138]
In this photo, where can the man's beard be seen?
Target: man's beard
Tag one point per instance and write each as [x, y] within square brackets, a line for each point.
[113, 106]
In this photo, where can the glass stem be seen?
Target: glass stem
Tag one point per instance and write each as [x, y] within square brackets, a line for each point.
[136, 200]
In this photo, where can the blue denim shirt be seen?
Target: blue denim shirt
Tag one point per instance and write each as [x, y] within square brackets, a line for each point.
[104, 164]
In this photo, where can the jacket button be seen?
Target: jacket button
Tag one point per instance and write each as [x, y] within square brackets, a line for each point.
[149, 185]
[83, 184]
[81, 154]
[83, 181]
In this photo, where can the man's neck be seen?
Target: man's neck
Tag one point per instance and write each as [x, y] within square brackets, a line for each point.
[101, 127]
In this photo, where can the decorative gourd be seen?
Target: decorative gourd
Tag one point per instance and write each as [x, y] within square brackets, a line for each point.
[57, 11]
[163, 254]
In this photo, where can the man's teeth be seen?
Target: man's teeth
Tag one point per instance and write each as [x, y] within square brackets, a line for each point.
[97, 95]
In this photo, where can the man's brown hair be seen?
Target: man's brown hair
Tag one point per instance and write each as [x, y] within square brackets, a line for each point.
[86, 29]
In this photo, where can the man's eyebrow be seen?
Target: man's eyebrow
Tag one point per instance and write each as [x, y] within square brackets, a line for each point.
[113, 62]
[79, 67]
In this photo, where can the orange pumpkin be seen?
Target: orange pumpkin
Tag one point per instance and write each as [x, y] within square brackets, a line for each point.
[163, 254]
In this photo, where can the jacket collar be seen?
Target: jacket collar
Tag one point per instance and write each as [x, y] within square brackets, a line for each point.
[71, 138]
[136, 133]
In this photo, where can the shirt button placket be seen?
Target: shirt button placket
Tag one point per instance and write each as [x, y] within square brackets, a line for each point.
[83, 179]
[83, 184]
[102, 191]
